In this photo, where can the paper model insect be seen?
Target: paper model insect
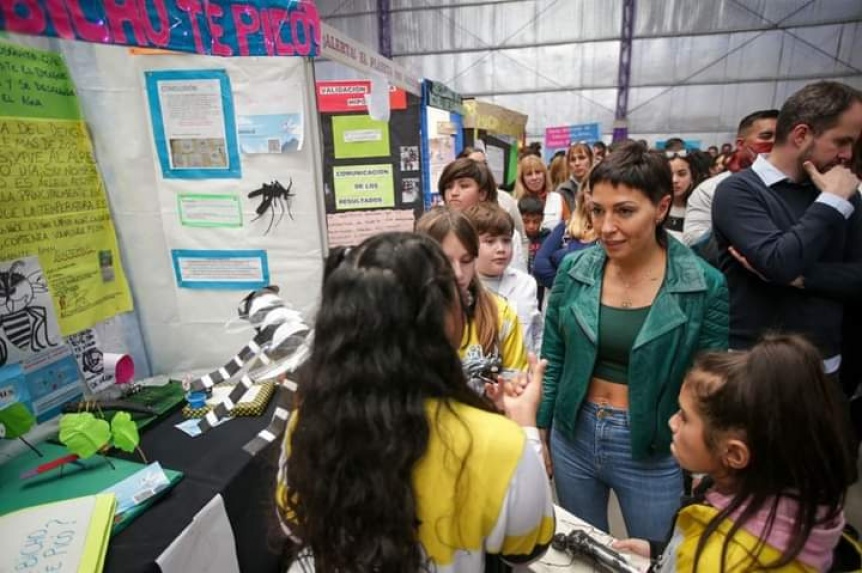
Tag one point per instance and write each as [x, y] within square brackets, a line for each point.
[23, 323]
[274, 197]
[281, 344]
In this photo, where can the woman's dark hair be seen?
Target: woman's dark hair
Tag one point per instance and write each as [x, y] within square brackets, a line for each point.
[698, 165]
[467, 168]
[635, 166]
[778, 399]
[380, 351]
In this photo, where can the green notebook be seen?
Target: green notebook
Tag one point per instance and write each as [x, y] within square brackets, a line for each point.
[85, 477]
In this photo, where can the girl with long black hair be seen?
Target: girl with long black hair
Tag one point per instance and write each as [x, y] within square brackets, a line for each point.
[762, 425]
[391, 463]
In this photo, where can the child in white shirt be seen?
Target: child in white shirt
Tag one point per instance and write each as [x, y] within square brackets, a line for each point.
[496, 228]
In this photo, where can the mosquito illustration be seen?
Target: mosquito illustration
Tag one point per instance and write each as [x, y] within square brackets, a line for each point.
[274, 196]
[25, 324]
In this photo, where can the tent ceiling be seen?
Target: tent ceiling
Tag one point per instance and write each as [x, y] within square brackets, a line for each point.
[698, 66]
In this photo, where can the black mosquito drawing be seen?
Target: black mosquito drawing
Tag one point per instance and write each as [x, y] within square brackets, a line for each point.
[25, 324]
[274, 197]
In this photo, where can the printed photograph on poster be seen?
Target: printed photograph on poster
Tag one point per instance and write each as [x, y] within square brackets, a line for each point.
[273, 133]
[28, 324]
[410, 190]
[52, 380]
[350, 229]
[363, 187]
[234, 270]
[442, 154]
[197, 210]
[356, 136]
[193, 123]
[409, 158]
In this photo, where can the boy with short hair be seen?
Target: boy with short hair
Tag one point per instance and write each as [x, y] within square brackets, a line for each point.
[532, 212]
[495, 228]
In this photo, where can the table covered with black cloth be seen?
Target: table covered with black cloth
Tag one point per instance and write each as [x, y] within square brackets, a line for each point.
[213, 463]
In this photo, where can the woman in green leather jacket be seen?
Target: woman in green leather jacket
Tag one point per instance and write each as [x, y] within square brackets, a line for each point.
[624, 322]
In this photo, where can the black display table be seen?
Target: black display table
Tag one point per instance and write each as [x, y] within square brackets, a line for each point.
[213, 463]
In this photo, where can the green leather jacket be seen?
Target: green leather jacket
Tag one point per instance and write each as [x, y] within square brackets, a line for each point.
[689, 314]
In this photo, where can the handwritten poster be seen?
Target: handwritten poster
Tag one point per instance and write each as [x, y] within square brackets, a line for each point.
[28, 324]
[350, 229]
[52, 199]
[63, 537]
[363, 186]
[359, 136]
[193, 124]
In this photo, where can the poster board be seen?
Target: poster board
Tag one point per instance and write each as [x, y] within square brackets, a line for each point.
[184, 328]
[371, 169]
[559, 138]
[442, 134]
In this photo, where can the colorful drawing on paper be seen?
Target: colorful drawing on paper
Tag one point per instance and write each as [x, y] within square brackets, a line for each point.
[226, 28]
[52, 200]
[356, 136]
[193, 123]
[27, 321]
[363, 187]
[275, 133]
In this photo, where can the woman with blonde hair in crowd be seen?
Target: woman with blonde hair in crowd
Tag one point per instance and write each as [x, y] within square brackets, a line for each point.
[567, 237]
[561, 205]
[558, 170]
[532, 178]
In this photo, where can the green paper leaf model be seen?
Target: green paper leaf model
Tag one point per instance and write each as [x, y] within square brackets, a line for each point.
[125, 432]
[16, 420]
[84, 434]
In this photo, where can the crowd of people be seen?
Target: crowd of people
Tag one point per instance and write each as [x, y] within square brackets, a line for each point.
[676, 326]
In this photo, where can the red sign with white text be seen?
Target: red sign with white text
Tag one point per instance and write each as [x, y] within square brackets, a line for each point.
[337, 96]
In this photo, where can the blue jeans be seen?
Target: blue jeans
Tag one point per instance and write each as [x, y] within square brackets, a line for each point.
[600, 459]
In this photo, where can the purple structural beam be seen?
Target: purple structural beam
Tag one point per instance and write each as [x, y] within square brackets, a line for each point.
[624, 71]
[384, 28]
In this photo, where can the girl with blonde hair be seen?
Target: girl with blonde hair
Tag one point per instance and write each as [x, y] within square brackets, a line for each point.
[567, 237]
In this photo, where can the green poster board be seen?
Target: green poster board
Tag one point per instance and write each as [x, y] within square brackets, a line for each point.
[357, 136]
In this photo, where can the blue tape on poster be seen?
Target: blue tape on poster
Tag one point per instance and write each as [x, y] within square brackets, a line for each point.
[231, 270]
[194, 126]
